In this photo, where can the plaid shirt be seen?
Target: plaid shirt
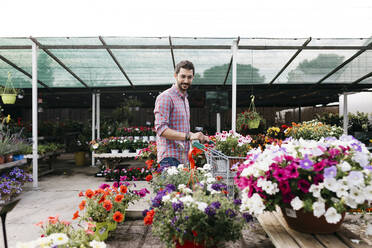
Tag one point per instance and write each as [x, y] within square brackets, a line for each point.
[172, 111]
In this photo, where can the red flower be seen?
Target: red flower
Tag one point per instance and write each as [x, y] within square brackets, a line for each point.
[148, 178]
[82, 204]
[148, 220]
[149, 163]
[123, 189]
[119, 198]
[194, 233]
[81, 194]
[219, 178]
[89, 193]
[107, 205]
[118, 217]
[76, 215]
[103, 198]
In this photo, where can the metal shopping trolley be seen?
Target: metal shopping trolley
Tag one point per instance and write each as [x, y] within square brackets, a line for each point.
[220, 165]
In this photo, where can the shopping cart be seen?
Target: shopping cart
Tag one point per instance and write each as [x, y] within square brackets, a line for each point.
[220, 165]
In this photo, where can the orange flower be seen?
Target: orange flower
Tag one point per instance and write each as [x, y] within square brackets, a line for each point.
[81, 194]
[76, 215]
[103, 198]
[225, 192]
[123, 189]
[107, 205]
[52, 219]
[219, 178]
[118, 217]
[149, 163]
[151, 213]
[148, 219]
[119, 198]
[82, 204]
[89, 193]
[148, 178]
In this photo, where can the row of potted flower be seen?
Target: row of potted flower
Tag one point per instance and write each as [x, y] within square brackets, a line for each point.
[131, 174]
[135, 131]
[115, 144]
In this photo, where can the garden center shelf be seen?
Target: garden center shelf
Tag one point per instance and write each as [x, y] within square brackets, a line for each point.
[13, 164]
[48, 157]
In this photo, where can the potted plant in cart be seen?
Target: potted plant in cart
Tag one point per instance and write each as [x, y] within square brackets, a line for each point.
[313, 182]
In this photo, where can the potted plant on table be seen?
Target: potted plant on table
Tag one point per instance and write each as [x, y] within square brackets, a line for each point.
[309, 180]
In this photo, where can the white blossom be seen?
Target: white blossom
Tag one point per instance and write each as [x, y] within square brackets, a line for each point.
[296, 203]
[318, 208]
[97, 244]
[201, 206]
[172, 171]
[207, 167]
[357, 195]
[59, 238]
[332, 216]
[345, 166]
[368, 192]
[180, 167]
[331, 184]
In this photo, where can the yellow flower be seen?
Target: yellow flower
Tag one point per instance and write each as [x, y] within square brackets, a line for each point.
[8, 119]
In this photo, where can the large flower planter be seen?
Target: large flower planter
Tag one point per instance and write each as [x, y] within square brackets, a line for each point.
[8, 98]
[306, 222]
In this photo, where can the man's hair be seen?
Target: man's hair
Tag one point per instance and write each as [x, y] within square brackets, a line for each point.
[185, 64]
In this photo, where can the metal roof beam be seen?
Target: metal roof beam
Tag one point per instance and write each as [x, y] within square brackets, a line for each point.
[171, 48]
[362, 78]
[344, 63]
[197, 47]
[290, 61]
[229, 68]
[21, 70]
[115, 60]
[59, 62]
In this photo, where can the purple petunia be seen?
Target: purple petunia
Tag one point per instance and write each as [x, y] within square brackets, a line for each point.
[237, 201]
[247, 217]
[177, 206]
[306, 163]
[210, 211]
[229, 212]
[330, 172]
[216, 205]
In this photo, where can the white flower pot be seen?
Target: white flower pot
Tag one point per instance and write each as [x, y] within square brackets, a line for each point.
[136, 137]
[125, 151]
[152, 138]
[114, 151]
[145, 138]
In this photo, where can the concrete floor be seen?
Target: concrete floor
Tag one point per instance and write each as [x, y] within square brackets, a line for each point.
[57, 194]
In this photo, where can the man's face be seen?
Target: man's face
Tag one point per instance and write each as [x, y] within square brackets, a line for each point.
[184, 79]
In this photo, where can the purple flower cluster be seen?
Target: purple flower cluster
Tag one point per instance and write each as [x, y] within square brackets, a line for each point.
[247, 217]
[219, 186]
[210, 211]
[177, 206]
[230, 213]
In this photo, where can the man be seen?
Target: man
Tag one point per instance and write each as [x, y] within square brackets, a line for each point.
[172, 119]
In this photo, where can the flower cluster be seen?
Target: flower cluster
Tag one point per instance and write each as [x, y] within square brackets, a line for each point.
[232, 143]
[117, 143]
[131, 174]
[181, 175]
[181, 215]
[108, 203]
[314, 130]
[326, 177]
[135, 131]
[59, 240]
[276, 132]
[11, 184]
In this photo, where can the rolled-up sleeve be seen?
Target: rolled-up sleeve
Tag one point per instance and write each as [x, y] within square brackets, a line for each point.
[162, 111]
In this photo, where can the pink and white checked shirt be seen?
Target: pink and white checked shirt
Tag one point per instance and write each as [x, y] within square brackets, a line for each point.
[172, 111]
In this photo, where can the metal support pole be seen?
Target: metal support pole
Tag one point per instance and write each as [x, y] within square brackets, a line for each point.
[218, 119]
[299, 114]
[34, 117]
[233, 107]
[346, 118]
[93, 123]
[98, 109]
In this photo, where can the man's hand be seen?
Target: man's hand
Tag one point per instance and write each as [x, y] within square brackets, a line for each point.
[199, 136]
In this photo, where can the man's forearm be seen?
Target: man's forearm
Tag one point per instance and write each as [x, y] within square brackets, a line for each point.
[173, 134]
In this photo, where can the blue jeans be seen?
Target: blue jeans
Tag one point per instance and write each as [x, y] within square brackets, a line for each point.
[166, 162]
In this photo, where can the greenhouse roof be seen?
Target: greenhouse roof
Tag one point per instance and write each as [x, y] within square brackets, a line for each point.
[272, 68]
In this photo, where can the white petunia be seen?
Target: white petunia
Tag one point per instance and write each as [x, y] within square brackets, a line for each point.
[207, 167]
[59, 238]
[44, 241]
[342, 190]
[355, 178]
[318, 208]
[208, 175]
[345, 166]
[166, 198]
[368, 192]
[332, 216]
[210, 180]
[350, 201]
[187, 200]
[296, 203]
[331, 184]
[202, 206]
[95, 146]
[180, 166]
[172, 171]
[97, 244]
[181, 186]
[357, 195]
[316, 189]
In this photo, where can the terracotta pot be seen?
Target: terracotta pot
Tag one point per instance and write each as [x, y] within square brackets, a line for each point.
[308, 223]
[8, 158]
[189, 244]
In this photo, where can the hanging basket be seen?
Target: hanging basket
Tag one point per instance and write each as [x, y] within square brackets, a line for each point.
[9, 98]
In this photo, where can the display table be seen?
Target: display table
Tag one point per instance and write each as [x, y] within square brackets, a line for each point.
[111, 160]
[13, 164]
[48, 157]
